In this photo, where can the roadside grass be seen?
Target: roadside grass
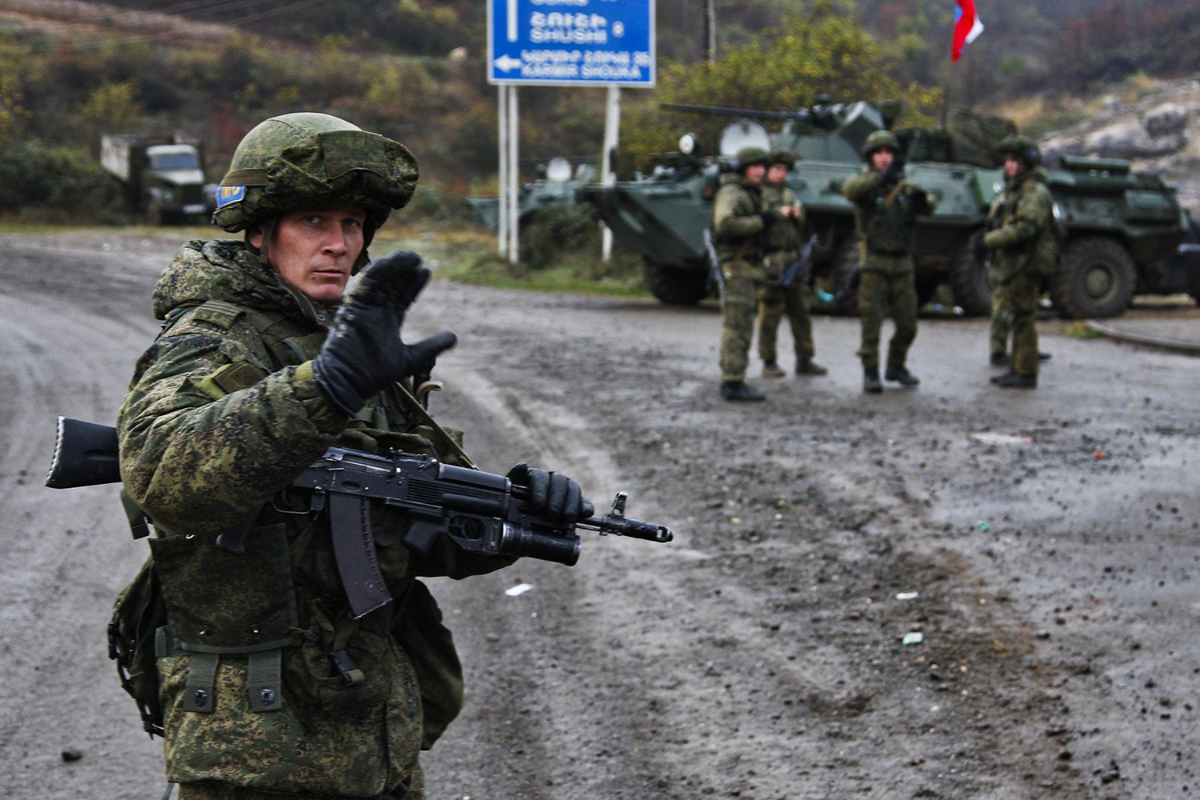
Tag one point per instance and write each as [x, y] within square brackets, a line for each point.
[1079, 330]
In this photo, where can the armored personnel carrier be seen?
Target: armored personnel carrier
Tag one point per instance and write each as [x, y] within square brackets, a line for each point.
[1120, 224]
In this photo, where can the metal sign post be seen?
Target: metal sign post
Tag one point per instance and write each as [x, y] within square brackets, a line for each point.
[564, 43]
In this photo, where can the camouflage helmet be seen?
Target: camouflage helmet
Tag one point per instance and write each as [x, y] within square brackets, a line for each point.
[1022, 148]
[785, 157]
[310, 160]
[750, 155]
[880, 140]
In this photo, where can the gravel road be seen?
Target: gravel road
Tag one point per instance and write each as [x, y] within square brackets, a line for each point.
[1043, 544]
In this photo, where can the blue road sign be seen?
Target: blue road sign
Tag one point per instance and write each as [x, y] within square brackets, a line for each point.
[571, 42]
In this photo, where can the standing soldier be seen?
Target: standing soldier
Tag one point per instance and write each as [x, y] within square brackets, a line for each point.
[271, 686]
[886, 209]
[782, 242]
[1021, 234]
[740, 215]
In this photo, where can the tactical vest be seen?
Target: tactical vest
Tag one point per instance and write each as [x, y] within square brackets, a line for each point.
[887, 222]
[252, 611]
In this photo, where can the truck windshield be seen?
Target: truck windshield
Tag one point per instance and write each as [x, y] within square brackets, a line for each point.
[174, 161]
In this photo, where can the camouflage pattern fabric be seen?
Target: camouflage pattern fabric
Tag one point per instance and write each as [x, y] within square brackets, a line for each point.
[1018, 303]
[1022, 238]
[883, 293]
[1021, 227]
[1001, 322]
[217, 791]
[744, 283]
[308, 160]
[214, 423]
[887, 218]
[737, 228]
[782, 242]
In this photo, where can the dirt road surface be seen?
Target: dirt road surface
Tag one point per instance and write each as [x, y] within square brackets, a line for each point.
[1044, 544]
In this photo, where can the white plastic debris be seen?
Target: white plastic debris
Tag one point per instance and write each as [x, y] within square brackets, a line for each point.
[908, 595]
[518, 590]
[916, 637]
[1001, 438]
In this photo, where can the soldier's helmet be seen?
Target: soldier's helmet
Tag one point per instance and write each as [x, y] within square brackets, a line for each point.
[750, 155]
[785, 157]
[1022, 148]
[880, 140]
[310, 160]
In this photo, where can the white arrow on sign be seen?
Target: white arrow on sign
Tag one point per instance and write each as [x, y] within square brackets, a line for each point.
[506, 62]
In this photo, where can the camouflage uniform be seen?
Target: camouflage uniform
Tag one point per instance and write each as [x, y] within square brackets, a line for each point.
[1021, 235]
[886, 217]
[738, 224]
[782, 242]
[224, 410]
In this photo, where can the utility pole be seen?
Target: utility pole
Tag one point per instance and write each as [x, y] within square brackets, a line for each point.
[710, 31]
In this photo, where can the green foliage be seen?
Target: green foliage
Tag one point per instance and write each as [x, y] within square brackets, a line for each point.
[821, 49]
[56, 184]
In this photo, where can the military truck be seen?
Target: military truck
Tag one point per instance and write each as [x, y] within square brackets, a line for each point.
[1119, 223]
[162, 176]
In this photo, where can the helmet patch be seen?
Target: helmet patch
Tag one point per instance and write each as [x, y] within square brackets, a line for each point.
[230, 194]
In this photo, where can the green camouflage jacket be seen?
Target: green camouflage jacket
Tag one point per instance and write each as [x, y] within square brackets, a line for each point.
[736, 222]
[886, 215]
[1021, 230]
[222, 412]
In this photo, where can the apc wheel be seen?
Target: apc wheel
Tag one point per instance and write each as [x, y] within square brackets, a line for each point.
[675, 286]
[1096, 279]
[969, 284]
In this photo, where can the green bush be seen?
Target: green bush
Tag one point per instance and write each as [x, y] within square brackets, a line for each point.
[57, 184]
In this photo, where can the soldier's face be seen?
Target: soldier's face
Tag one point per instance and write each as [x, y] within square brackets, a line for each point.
[755, 172]
[777, 174]
[315, 249]
[882, 159]
[1011, 166]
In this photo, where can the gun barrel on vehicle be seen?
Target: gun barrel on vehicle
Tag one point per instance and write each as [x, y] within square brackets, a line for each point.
[737, 112]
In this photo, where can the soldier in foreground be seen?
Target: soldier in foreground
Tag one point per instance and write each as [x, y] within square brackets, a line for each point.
[782, 241]
[271, 686]
[886, 207]
[1021, 235]
[740, 215]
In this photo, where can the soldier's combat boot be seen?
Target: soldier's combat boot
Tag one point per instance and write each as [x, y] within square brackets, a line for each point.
[871, 382]
[771, 369]
[806, 366]
[1001, 376]
[740, 391]
[1014, 380]
[900, 375]
[1000, 359]
[1043, 356]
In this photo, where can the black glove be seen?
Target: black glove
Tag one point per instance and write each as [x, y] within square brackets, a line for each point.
[769, 218]
[363, 353]
[556, 496]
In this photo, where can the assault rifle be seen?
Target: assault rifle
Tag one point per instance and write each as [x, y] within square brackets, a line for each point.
[801, 266]
[479, 511]
[715, 276]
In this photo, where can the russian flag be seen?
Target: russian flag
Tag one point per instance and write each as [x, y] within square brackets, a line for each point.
[967, 27]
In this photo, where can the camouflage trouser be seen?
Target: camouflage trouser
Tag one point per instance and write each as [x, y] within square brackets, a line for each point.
[1019, 299]
[743, 284]
[221, 791]
[882, 294]
[1001, 319]
[773, 303]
